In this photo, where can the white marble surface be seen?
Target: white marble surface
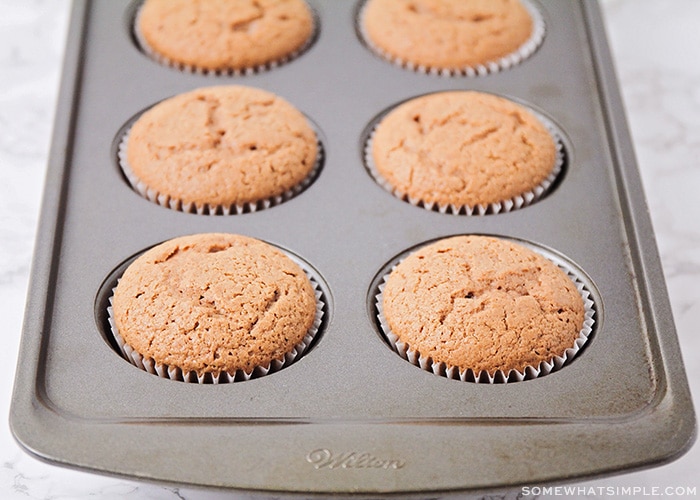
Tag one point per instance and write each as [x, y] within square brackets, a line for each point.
[656, 47]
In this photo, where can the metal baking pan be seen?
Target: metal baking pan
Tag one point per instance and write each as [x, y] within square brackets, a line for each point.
[350, 417]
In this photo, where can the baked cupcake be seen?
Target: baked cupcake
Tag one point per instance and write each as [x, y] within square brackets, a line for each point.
[452, 36]
[464, 152]
[214, 308]
[227, 149]
[231, 36]
[483, 308]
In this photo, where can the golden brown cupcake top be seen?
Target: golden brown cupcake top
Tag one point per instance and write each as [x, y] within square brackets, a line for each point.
[483, 303]
[222, 146]
[214, 302]
[463, 148]
[446, 34]
[225, 34]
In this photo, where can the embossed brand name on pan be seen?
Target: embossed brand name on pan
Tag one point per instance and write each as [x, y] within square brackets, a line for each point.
[324, 458]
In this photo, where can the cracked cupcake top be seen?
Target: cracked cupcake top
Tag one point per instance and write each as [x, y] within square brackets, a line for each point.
[214, 302]
[463, 148]
[222, 146]
[225, 34]
[482, 303]
[447, 34]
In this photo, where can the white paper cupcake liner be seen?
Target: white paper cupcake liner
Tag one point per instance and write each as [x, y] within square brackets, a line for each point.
[195, 70]
[530, 372]
[508, 61]
[503, 206]
[174, 203]
[223, 377]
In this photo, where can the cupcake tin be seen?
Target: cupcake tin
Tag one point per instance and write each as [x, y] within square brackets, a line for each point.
[349, 418]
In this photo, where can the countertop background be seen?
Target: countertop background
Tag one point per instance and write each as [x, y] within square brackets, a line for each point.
[656, 49]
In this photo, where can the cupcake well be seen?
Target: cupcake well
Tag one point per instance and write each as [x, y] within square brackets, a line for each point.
[176, 373]
[194, 69]
[523, 52]
[242, 150]
[505, 205]
[405, 351]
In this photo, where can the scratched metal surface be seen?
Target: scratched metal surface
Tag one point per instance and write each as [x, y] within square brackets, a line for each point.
[350, 417]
